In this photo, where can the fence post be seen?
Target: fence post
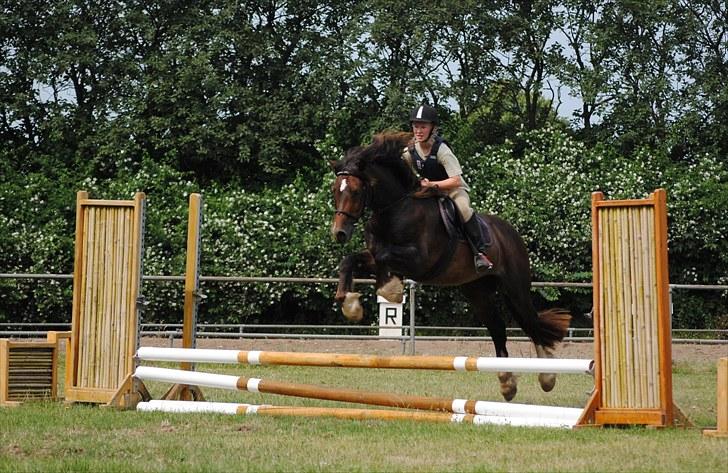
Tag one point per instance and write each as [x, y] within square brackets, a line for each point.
[413, 303]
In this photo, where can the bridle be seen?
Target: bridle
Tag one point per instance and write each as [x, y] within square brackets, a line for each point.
[350, 215]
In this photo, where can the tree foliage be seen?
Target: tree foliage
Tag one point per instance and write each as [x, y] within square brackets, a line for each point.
[244, 101]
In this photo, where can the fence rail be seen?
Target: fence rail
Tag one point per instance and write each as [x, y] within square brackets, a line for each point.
[410, 333]
[242, 331]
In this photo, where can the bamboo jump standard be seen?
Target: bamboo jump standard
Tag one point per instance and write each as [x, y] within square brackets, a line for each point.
[632, 339]
[106, 296]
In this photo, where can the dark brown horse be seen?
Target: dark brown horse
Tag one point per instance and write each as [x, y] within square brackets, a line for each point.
[405, 237]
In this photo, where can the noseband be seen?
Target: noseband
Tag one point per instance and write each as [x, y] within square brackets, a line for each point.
[366, 197]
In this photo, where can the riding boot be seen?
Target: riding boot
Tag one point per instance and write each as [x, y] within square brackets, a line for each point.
[479, 245]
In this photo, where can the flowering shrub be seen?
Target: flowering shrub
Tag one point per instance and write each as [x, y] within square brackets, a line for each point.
[541, 182]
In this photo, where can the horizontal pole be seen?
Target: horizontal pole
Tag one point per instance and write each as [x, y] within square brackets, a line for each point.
[344, 413]
[404, 401]
[448, 363]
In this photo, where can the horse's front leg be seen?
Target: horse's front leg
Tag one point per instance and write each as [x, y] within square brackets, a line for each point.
[399, 258]
[355, 265]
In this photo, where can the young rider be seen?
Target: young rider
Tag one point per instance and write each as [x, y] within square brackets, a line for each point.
[433, 160]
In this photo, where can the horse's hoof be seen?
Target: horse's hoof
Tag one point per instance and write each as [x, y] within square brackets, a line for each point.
[393, 291]
[351, 307]
[547, 381]
[508, 385]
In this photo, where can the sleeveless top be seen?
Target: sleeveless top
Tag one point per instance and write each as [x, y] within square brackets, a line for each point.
[428, 167]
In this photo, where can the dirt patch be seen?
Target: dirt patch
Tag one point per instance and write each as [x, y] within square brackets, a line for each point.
[681, 352]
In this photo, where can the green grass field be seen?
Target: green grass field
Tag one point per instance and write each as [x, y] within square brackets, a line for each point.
[57, 437]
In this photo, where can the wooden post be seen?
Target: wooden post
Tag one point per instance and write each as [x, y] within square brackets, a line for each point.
[721, 429]
[192, 298]
[192, 275]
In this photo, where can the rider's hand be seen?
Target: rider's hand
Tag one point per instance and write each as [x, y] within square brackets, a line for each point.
[425, 183]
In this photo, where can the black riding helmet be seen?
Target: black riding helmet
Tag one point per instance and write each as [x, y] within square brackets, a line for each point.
[424, 113]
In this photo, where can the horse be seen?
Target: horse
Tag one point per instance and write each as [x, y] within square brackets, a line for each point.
[406, 238]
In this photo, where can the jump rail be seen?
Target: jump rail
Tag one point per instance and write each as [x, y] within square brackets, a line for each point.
[565, 415]
[344, 413]
[447, 363]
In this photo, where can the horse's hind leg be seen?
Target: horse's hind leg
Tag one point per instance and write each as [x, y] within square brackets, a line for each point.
[546, 380]
[480, 295]
[527, 317]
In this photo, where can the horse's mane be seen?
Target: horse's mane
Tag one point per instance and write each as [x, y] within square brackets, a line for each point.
[386, 150]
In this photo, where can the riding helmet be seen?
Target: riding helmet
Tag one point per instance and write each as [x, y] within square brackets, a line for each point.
[424, 113]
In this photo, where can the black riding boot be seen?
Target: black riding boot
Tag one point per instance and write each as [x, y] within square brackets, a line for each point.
[479, 245]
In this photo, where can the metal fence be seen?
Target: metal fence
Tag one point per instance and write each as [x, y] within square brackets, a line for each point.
[410, 333]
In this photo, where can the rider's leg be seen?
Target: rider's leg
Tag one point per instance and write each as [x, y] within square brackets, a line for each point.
[472, 229]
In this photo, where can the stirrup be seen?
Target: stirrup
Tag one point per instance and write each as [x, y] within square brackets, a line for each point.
[482, 263]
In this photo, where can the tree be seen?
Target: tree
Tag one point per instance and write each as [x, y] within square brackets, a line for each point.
[704, 123]
[580, 62]
[642, 52]
[525, 30]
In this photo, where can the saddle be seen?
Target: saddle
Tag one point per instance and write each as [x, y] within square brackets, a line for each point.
[455, 228]
[454, 223]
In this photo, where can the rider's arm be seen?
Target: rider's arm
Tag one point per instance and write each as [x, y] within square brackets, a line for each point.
[447, 185]
[447, 158]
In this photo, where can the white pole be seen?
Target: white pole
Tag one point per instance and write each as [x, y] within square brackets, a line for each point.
[186, 354]
[460, 363]
[246, 409]
[194, 378]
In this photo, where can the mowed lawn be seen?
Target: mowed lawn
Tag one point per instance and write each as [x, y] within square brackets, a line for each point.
[58, 437]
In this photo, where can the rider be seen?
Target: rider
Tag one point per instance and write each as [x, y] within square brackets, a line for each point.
[436, 165]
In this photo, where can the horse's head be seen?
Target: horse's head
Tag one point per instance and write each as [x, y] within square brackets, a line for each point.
[374, 176]
[350, 198]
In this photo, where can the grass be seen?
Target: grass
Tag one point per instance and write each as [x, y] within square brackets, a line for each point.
[57, 437]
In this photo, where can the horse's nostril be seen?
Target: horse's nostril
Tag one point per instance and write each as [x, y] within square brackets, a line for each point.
[341, 236]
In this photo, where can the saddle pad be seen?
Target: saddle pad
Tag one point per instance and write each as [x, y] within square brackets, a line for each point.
[453, 222]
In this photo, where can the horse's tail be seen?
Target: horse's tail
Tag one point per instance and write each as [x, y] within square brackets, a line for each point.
[552, 326]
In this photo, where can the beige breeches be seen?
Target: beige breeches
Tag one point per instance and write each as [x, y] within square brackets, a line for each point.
[462, 202]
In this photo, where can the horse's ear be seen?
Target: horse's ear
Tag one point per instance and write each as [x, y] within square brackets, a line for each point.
[336, 165]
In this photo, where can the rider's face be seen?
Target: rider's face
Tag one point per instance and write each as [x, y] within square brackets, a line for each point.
[422, 130]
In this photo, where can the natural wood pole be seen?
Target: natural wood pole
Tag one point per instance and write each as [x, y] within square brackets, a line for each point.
[191, 300]
[721, 429]
[192, 274]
